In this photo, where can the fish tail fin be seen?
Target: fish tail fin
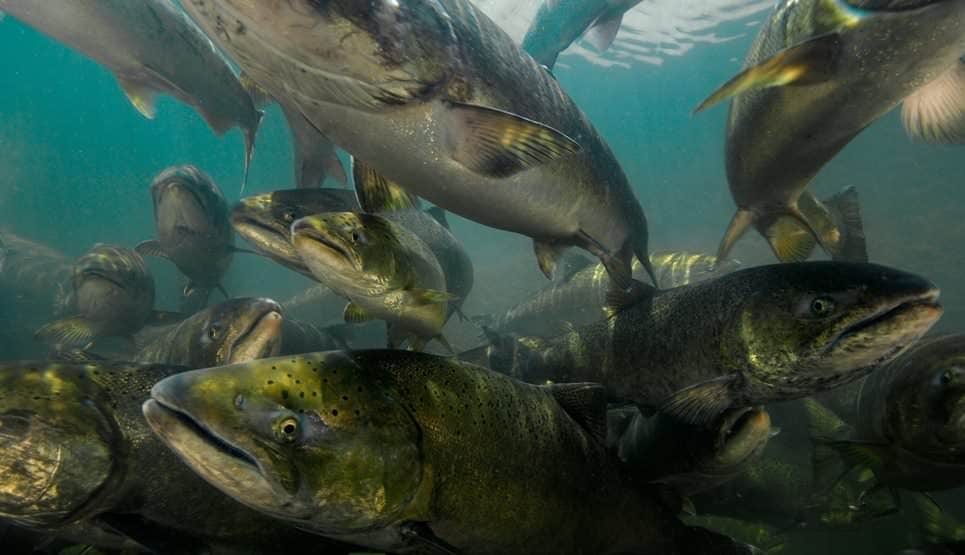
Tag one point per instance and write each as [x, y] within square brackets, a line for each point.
[937, 526]
[739, 224]
[845, 212]
[69, 332]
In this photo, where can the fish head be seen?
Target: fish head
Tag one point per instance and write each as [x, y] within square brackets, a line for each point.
[741, 437]
[817, 325]
[237, 330]
[265, 220]
[924, 408]
[58, 443]
[107, 271]
[350, 250]
[187, 206]
[313, 439]
[384, 52]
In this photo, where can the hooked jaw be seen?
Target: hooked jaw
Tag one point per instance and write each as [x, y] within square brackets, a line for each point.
[251, 218]
[262, 338]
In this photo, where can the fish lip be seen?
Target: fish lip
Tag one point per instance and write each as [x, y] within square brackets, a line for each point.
[102, 274]
[906, 304]
[207, 436]
[272, 312]
[313, 234]
[267, 239]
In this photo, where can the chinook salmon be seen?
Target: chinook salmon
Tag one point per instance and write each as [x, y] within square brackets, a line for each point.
[111, 294]
[151, 47]
[910, 419]
[440, 101]
[191, 217]
[820, 72]
[750, 337]
[384, 448]
[75, 452]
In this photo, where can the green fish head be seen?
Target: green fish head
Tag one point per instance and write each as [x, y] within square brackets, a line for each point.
[350, 250]
[822, 324]
[57, 443]
[265, 220]
[237, 330]
[313, 439]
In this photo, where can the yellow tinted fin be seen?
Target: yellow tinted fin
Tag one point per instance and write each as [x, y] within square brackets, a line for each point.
[790, 240]
[845, 213]
[378, 194]
[431, 296]
[354, 314]
[547, 255]
[739, 224]
[935, 113]
[69, 332]
[495, 143]
[810, 62]
[141, 97]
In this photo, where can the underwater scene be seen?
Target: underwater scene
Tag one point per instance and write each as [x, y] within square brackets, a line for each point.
[492, 276]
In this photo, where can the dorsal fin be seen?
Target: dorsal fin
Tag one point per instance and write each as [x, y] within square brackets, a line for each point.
[585, 403]
[439, 215]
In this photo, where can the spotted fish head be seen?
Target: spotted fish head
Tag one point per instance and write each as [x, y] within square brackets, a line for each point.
[58, 443]
[314, 439]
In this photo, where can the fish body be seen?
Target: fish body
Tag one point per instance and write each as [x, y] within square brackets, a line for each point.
[579, 300]
[150, 47]
[823, 71]
[111, 294]
[75, 451]
[438, 99]
[384, 448]
[911, 419]
[236, 330]
[33, 272]
[386, 271]
[753, 336]
[191, 217]
[559, 23]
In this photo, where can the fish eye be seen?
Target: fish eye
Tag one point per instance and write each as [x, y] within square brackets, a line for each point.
[356, 236]
[946, 377]
[289, 216]
[214, 332]
[822, 306]
[287, 429]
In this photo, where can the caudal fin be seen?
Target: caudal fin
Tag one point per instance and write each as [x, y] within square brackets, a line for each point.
[846, 214]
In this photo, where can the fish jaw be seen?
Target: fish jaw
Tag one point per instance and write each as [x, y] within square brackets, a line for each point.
[262, 339]
[252, 219]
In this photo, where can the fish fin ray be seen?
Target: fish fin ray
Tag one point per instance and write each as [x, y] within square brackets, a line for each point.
[78, 356]
[499, 144]
[376, 193]
[74, 332]
[354, 314]
[547, 256]
[334, 169]
[703, 402]
[439, 215]
[845, 210]
[935, 113]
[431, 296]
[810, 62]
[151, 247]
[142, 97]
[585, 403]
[790, 240]
[739, 224]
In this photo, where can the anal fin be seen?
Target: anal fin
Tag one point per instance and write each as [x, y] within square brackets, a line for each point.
[790, 240]
[354, 314]
[141, 97]
[69, 332]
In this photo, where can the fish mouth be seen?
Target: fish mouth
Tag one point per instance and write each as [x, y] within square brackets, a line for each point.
[179, 418]
[268, 239]
[259, 340]
[104, 276]
[900, 323]
[323, 241]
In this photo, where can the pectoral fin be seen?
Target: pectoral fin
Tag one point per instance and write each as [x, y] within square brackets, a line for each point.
[813, 61]
[354, 314]
[78, 356]
[739, 224]
[376, 193]
[141, 97]
[935, 113]
[703, 402]
[151, 247]
[586, 404]
[499, 144]
[69, 332]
